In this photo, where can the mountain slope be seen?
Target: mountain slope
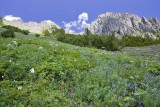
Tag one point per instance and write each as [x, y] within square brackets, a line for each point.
[42, 71]
[32, 26]
[123, 24]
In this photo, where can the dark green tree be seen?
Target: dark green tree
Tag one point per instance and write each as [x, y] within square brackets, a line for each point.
[1, 21]
[8, 34]
[87, 32]
[46, 33]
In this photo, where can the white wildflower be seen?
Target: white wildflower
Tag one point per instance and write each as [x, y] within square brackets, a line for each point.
[32, 70]
[14, 43]
[19, 87]
[56, 44]
[131, 77]
[131, 61]
[9, 45]
[2, 76]
[10, 60]
[40, 48]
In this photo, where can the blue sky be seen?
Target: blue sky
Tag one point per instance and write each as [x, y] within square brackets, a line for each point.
[69, 10]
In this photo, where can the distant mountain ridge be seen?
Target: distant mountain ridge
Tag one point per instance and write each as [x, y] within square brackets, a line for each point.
[124, 24]
[31, 26]
[119, 23]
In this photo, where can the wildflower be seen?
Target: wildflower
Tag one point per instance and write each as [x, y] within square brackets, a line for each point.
[9, 45]
[128, 84]
[131, 77]
[19, 87]
[126, 98]
[127, 65]
[14, 43]
[2, 76]
[102, 47]
[56, 44]
[10, 61]
[40, 48]
[131, 61]
[133, 87]
[32, 70]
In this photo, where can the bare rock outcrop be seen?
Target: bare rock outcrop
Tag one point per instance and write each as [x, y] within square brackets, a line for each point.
[124, 24]
[32, 26]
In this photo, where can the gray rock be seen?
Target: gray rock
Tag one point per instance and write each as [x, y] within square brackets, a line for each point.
[149, 35]
[123, 24]
[33, 26]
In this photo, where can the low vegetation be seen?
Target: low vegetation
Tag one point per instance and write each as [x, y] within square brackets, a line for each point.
[8, 34]
[15, 29]
[44, 72]
[110, 42]
[1, 21]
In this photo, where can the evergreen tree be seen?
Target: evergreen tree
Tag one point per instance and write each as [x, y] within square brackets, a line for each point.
[1, 21]
[46, 33]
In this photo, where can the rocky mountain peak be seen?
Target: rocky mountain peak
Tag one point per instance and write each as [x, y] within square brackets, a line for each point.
[31, 26]
[123, 24]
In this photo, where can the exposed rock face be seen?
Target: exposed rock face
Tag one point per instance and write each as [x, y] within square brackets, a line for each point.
[32, 26]
[123, 24]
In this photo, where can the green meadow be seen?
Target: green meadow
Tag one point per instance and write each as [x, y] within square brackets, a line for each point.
[43, 72]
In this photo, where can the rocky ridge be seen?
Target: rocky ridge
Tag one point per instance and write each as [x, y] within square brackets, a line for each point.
[32, 26]
[124, 24]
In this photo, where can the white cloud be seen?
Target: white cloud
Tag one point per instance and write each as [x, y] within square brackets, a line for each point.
[70, 24]
[83, 17]
[11, 18]
[79, 25]
[49, 21]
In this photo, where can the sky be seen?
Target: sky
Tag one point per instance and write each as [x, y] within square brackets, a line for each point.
[75, 13]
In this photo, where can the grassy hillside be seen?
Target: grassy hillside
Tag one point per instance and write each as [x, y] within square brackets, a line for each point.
[40, 72]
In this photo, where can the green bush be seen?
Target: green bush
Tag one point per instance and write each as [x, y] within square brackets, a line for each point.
[1, 21]
[15, 29]
[107, 42]
[110, 43]
[46, 33]
[132, 41]
[44, 72]
[8, 34]
[37, 35]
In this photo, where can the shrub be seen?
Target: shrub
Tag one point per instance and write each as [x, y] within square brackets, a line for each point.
[8, 34]
[107, 42]
[61, 31]
[1, 21]
[46, 33]
[15, 29]
[132, 41]
[26, 32]
[110, 43]
[37, 35]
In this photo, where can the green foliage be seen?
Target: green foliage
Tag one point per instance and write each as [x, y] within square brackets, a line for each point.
[87, 32]
[107, 42]
[1, 21]
[58, 31]
[8, 34]
[37, 35]
[132, 41]
[46, 33]
[44, 72]
[16, 29]
[110, 43]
